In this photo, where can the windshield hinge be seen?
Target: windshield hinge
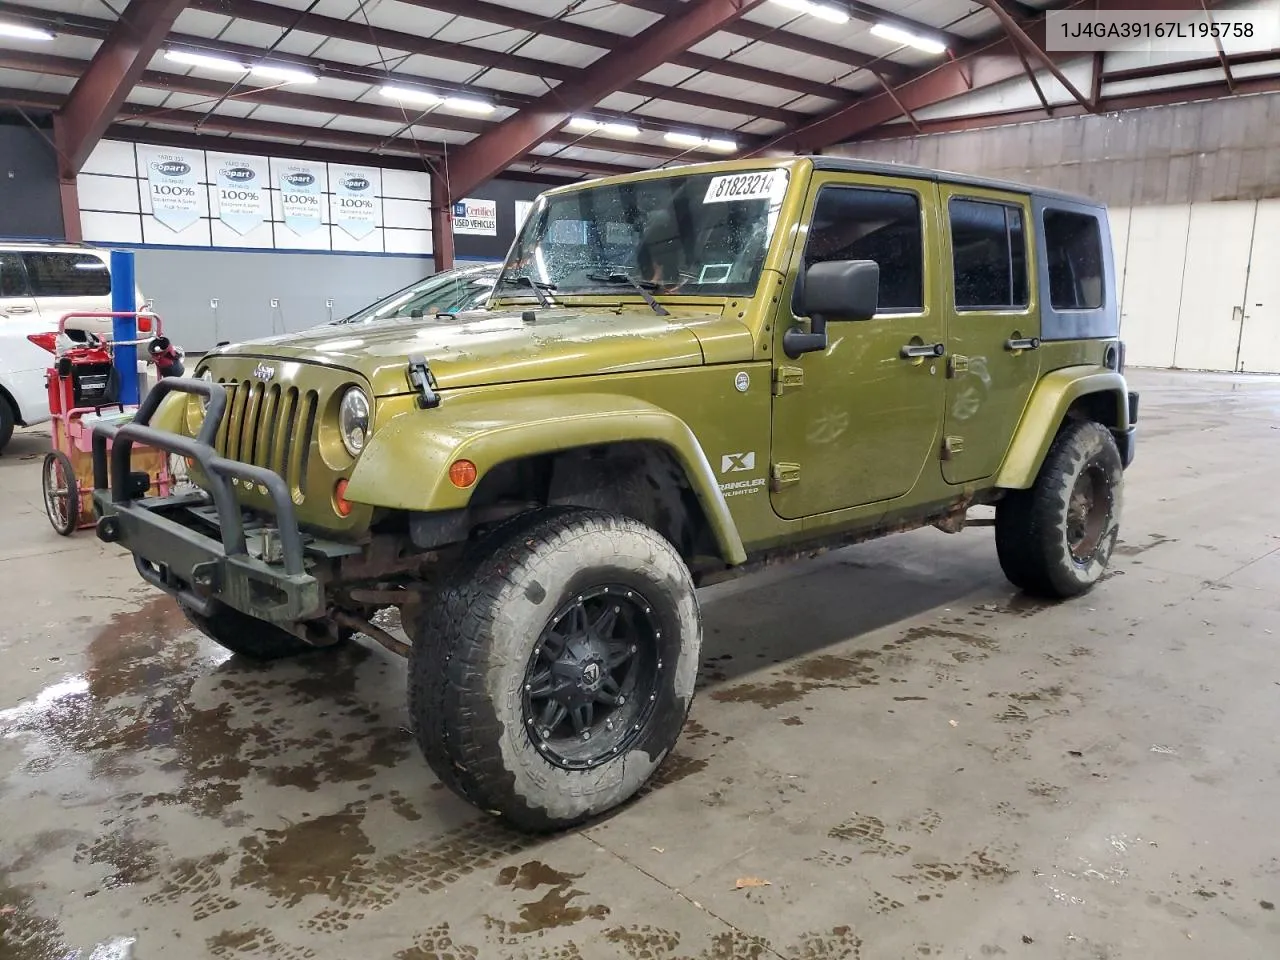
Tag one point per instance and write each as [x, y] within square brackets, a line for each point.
[787, 377]
[420, 379]
[783, 475]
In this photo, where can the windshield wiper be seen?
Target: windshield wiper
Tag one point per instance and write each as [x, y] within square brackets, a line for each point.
[642, 287]
[538, 287]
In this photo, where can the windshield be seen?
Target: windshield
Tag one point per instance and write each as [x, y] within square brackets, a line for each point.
[440, 293]
[702, 234]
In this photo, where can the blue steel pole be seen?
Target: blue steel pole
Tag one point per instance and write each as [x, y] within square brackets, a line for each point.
[124, 299]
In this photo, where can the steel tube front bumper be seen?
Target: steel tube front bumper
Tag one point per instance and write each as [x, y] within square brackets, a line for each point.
[181, 559]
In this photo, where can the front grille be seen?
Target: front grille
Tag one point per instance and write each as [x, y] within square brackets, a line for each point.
[270, 426]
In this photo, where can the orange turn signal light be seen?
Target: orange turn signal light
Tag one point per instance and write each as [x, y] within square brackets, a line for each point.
[340, 501]
[462, 473]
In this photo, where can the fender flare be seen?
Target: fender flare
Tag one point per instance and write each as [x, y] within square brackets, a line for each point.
[1045, 412]
[422, 444]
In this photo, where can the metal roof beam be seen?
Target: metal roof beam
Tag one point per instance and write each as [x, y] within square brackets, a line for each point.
[215, 90]
[488, 154]
[1002, 10]
[818, 48]
[353, 31]
[78, 25]
[563, 29]
[113, 72]
[983, 63]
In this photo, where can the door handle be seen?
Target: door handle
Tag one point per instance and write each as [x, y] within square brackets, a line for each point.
[13, 310]
[914, 351]
[1022, 343]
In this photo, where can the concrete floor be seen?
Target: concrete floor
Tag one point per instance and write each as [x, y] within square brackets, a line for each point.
[909, 758]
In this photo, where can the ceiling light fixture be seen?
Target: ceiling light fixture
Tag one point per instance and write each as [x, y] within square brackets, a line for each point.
[613, 128]
[467, 105]
[409, 95]
[284, 74]
[708, 143]
[823, 11]
[22, 32]
[193, 59]
[887, 31]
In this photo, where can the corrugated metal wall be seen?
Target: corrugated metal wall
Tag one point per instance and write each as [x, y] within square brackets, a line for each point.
[1213, 150]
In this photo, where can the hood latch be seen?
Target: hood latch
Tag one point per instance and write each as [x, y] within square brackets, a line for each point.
[421, 379]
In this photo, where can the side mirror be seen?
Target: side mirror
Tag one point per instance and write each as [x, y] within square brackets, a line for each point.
[834, 290]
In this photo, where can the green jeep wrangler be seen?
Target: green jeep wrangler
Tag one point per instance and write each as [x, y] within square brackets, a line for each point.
[681, 375]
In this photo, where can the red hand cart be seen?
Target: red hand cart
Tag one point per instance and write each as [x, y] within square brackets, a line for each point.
[83, 386]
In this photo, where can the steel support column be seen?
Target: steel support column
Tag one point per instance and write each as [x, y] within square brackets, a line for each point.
[441, 219]
[101, 91]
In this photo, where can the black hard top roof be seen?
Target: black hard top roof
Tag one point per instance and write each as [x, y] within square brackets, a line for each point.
[854, 165]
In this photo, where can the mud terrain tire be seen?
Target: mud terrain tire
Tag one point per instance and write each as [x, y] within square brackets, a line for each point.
[1055, 539]
[563, 622]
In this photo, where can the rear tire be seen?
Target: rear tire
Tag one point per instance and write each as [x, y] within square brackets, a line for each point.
[1055, 539]
[561, 623]
[8, 420]
[246, 635]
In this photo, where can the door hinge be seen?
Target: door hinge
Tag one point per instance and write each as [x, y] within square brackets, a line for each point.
[951, 446]
[787, 377]
[956, 365]
[783, 475]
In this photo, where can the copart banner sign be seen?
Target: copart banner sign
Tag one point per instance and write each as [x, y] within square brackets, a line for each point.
[243, 201]
[173, 181]
[302, 196]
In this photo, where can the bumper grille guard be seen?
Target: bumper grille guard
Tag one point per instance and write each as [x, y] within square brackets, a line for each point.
[218, 470]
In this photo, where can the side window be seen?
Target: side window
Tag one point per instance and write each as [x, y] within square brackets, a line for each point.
[860, 223]
[67, 275]
[989, 253]
[1073, 253]
[13, 282]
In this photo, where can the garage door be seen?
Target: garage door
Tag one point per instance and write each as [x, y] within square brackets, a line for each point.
[1260, 341]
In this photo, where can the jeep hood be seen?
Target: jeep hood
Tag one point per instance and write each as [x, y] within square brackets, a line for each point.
[492, 347]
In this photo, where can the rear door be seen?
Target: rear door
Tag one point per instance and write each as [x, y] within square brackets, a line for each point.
[15, 296]
[22, 363]
[994, 327]
[67, 281]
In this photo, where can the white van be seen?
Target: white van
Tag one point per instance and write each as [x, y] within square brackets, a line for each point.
[38, 284]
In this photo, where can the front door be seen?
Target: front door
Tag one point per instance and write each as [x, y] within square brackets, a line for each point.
[857, 423]
[993, 359]
[22, 363]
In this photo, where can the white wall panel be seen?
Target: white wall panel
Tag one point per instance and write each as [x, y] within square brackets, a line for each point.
[259, 238]
[1213, 285]
[407, 241]
[112, 157]
[107, 194]
[153, 231]
[111, 227]
[1157, 246]
[1260, 339]
[406, 214]
[406, 184]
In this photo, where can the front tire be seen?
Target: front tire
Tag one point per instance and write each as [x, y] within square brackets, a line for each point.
[556, 670]
[246, 635]
[1055, 539]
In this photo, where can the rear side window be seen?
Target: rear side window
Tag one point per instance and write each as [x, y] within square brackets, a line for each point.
[67, 275]
[13, 281]
[1073, 252]
[856, 223]
[989, 253]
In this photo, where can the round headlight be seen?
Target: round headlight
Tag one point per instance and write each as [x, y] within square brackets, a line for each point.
[353, 420]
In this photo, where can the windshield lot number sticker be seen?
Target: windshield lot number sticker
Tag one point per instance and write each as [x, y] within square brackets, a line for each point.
[741, 186]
